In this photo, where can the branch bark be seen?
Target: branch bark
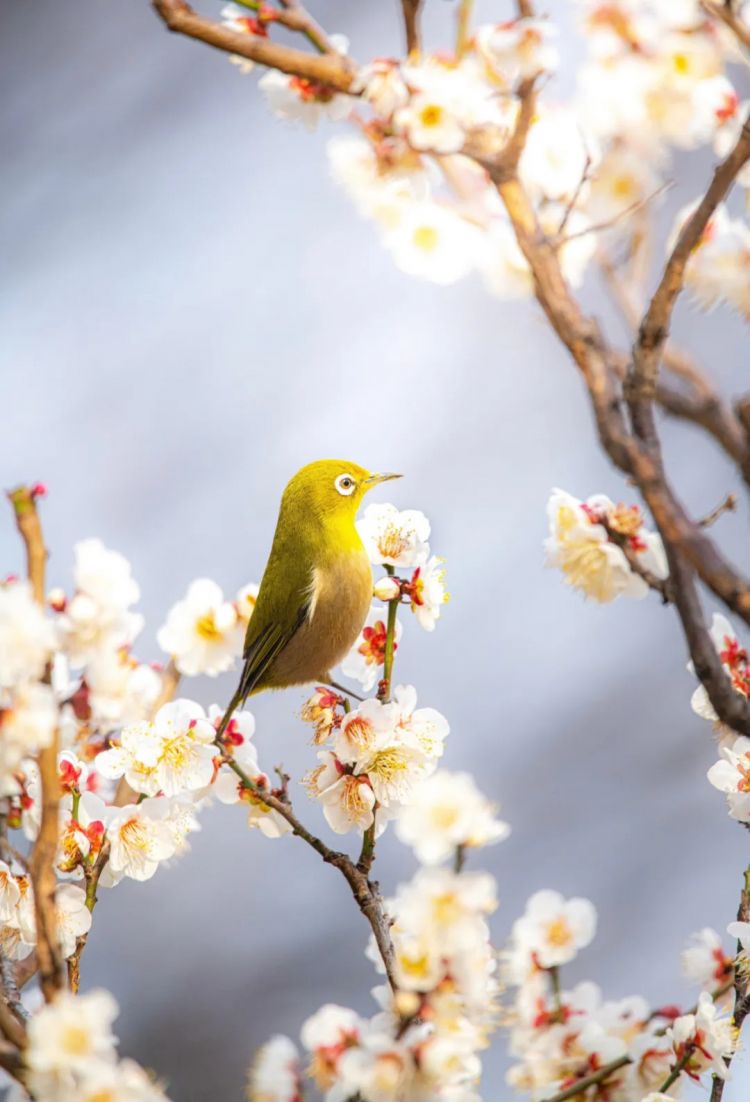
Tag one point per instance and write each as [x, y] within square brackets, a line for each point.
[330, 69]
[411, 10]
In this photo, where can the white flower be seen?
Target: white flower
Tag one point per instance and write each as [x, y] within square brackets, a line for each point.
[27, 636]
[704, 960]
[580, 545]
[731, 775]
[326, 1035]
[741, 931]
[379, 182]
[387, 588]
[139, 838]
[704, 1038]
[430, 241]
[363, 729]
[172, 753]
[97, 614]
[348, 802]
[719, 265]
[27, 724]
[430, 124]
[203, 632]
[553, 929]
[72, 916]
[735, 661]
[378, 1070]
[121, 690]
[382, 85]
[274, 1075]
[426, 727]
[70, 1033]
[106, 1082]
[394, 537]
[556, 155]
[295, 99]
[364, 661]
[428, 593]
[520, 48]
[446, 811]
[623, 178]
[245, 601]
[9, 893]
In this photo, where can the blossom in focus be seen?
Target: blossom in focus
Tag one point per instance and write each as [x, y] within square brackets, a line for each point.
[321, 710]
[552, 929]
[27, 636]
[446, 811]
[394, 537]
[364, 661]
[348, 801]
[704, 961]
[519, 48]
[203, 632]
[73, 918]
[705, 1039]
[275, 1074]
[428, 593]
[580, 545]
[172, 753]
[139, 836]
[731, 775]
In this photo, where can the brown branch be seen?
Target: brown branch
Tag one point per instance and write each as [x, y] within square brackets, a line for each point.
[297, 18]
[575, 1090]
[365, 891]
[726, 15]
[330, 69]
[728, 505]
[659, 585]
[42, 860]
[411, 11]
[741, 985]
[654, 328]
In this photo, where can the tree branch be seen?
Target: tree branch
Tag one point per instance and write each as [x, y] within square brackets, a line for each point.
[726, 15]
[330, 69]
[411, 10]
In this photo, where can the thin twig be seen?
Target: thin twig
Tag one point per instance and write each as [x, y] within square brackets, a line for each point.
[725, 14]
[593, 1080]
[728, 505]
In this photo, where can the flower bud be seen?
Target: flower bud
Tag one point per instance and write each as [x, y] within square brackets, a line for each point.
[387, 589]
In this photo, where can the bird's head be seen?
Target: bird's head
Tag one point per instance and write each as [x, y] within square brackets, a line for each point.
[332, 488]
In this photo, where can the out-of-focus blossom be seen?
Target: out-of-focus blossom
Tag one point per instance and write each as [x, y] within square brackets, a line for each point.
[296, 99]
[432, 242]
[275, 1073]
[556, 155]
[203, 632]
[383, 86]
[445, 812]
[327, 1035]
[98, 614]
[519, 48]
[428, 123]
[719, 266]
[27, 636]
[27, 725]
[704, 1040]
[71, 1033]
[552, 929]
[245, 601]
[704, 960]
[122, 691]
[580, 545]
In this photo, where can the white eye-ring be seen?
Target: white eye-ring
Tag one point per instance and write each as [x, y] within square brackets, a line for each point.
[345, 484]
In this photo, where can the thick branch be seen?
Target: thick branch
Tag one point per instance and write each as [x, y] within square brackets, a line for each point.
[411, 9]
[330, 69]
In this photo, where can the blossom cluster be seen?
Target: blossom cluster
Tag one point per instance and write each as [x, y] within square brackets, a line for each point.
[657, 78]
[588, 541]
[561, 1036]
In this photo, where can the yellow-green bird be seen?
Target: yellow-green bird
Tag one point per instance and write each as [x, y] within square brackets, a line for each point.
[317, 586]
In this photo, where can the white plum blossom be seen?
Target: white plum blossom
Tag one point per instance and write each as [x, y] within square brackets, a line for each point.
[295, 99]
[364, 662]
[203, 633]
[27, 725]
[581, 546]
[427, 592]
[447, 811]
[704, 960]
[552, 929]
[245, 601]
[731, 775]
[348, 801]
[275, 1074]
[27, 636]
[735, 661]
[394, 537]
[383, 86]
[432, 242]
[140, 838]
[704, 1039]
[519, 48]
[72, 915]
[122, 691]
[10, 894]
[98, 614]
[67, 1035]
[327, 1034]
[428, 123]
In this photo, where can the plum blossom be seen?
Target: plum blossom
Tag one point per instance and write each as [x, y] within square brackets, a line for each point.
[275, 1074]
[321, 710]
[581, 546]
[27, 725]
[735, 661]
[140, 838]
[447, 811]
[72, 915]
[428, 123]
[121, 691]
[98, 614]
[327, 1034]
[348, 801]
[519, 48]
[69, 1034]
[704, 960]
[172, 753]
[552, 929]
[27, 636]
[394, 537]
[731, 775]
[203, 633]
[364, 661]
[433, 242]
[704, 1039]
[296, 99]
[428, 593]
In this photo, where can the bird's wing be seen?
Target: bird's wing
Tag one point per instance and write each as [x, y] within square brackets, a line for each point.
[263, 648]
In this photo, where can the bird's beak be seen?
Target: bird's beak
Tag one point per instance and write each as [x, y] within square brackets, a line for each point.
[374, 479]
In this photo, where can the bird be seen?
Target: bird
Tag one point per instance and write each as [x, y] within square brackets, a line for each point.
[316, 589]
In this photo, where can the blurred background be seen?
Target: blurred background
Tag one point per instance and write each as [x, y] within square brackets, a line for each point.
[190, 311]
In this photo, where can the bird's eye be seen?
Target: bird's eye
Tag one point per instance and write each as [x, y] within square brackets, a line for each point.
[345, 484]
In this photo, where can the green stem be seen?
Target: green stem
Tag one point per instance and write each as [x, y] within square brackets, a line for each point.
[676, 1071]
[575, 1090]
[459, 858]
